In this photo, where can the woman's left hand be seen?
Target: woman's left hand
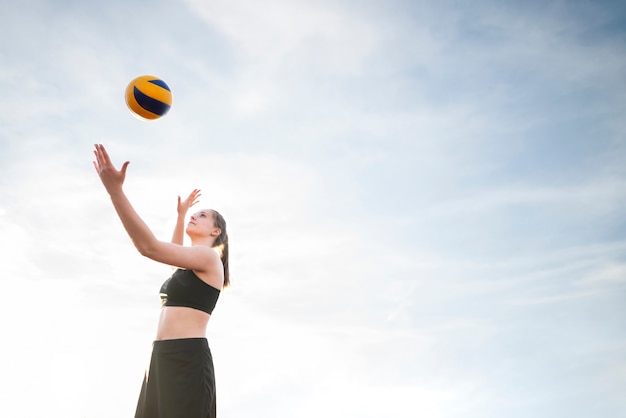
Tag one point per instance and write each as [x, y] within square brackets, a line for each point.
[184, 205]
[111, 178]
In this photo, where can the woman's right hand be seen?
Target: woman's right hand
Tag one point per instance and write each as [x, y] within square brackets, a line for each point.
[111, 178]
[184, 205]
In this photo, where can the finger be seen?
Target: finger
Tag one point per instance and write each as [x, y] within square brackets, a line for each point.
[98, 154]
[105, 154]
[96, 163]
[123, 169]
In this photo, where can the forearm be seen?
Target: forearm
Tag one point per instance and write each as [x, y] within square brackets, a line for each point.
[179, 231]
[141, 236]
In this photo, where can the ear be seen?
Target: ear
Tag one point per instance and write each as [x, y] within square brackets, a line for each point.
[216, 232]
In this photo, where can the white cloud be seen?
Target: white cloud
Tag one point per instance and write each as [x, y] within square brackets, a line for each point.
[277, 32]
[596, 198]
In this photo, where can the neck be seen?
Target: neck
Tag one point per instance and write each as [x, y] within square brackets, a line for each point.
[202, 241]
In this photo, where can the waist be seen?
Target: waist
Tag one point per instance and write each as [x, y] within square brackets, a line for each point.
[180, 344]
[177, 322]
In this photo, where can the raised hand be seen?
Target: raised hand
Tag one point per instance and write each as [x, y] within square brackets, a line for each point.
[184, 205]
[111, 178]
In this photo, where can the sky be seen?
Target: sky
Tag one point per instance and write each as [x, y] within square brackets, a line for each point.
[425, 202]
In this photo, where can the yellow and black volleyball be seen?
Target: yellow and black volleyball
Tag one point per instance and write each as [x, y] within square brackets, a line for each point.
[148, 97]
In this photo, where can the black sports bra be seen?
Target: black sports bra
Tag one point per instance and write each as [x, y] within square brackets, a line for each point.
[184, 288]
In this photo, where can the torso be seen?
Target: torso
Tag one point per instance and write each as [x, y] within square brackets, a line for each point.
[182, 322]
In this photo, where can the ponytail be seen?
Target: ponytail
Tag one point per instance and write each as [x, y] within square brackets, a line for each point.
[221, 243]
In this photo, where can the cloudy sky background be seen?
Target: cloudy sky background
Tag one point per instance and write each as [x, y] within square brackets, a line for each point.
[425, 202]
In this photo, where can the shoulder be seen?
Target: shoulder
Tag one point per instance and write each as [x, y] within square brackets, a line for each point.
[206, 254]
[212, 270]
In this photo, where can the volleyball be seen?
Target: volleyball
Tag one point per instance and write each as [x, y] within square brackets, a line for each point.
[148, 97]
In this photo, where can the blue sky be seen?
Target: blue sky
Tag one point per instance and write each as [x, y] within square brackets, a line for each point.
[425, 202]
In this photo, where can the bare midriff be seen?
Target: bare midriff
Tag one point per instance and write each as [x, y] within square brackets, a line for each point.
[177, 322]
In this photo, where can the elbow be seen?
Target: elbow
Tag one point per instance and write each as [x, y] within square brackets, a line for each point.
[146, 249]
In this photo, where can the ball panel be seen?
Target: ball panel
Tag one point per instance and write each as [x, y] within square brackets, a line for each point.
[160, 83]
[135, 107]
[150, 104]
[143, 113]
[155, 91]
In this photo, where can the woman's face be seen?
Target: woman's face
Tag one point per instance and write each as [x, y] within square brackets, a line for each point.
[202, 222]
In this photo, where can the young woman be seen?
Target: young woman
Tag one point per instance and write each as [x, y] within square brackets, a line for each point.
[180, 381]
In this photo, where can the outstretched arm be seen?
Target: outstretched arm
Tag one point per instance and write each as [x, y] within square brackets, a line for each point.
[183, 207]
[113, 180]
[198, 257]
